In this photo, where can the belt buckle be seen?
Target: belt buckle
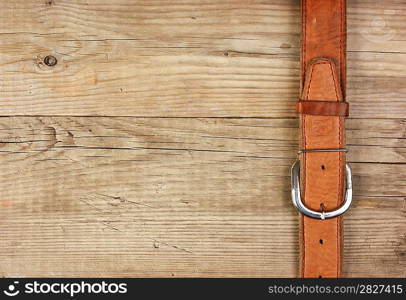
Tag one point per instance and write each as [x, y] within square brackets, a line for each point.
[320, 215]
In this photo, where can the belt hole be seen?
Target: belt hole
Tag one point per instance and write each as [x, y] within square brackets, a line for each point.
[323, 167]
[321, 241]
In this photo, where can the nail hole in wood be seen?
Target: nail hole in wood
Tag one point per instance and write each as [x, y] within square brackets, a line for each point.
[50, 60]
[321, 241]
[323, 167]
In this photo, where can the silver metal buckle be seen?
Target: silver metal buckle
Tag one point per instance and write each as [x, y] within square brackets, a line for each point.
[321, 215]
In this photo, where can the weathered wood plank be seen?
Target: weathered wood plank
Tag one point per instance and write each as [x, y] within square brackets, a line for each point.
[123, 196]
[99, 196]
[189, 58]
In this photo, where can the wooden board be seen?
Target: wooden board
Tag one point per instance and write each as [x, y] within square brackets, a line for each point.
[161, 142]
[186, 58]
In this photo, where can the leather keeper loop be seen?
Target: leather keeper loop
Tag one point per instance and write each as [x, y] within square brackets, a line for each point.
[323, 108]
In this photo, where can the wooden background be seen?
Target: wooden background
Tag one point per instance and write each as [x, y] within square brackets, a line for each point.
[161, 142]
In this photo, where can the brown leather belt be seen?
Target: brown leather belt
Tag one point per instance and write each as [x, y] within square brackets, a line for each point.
[321, 180]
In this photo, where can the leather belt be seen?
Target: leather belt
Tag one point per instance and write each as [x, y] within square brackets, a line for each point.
[321, 180]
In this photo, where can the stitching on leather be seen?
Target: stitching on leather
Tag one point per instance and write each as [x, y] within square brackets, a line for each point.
[339, 171]
[323, 62]
[304, 16]
[339, 140]
[304, 22]
[335, 82]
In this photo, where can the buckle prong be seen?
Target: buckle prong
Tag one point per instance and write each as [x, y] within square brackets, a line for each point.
[322, 150]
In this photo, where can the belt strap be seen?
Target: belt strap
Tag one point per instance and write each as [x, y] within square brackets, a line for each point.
[322, 109]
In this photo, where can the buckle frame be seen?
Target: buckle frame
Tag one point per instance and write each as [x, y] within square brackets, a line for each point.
[320, 215]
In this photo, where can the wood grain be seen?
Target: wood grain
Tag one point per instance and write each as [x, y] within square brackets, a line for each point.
[186, 58]
[160, 143]
[183, 197]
